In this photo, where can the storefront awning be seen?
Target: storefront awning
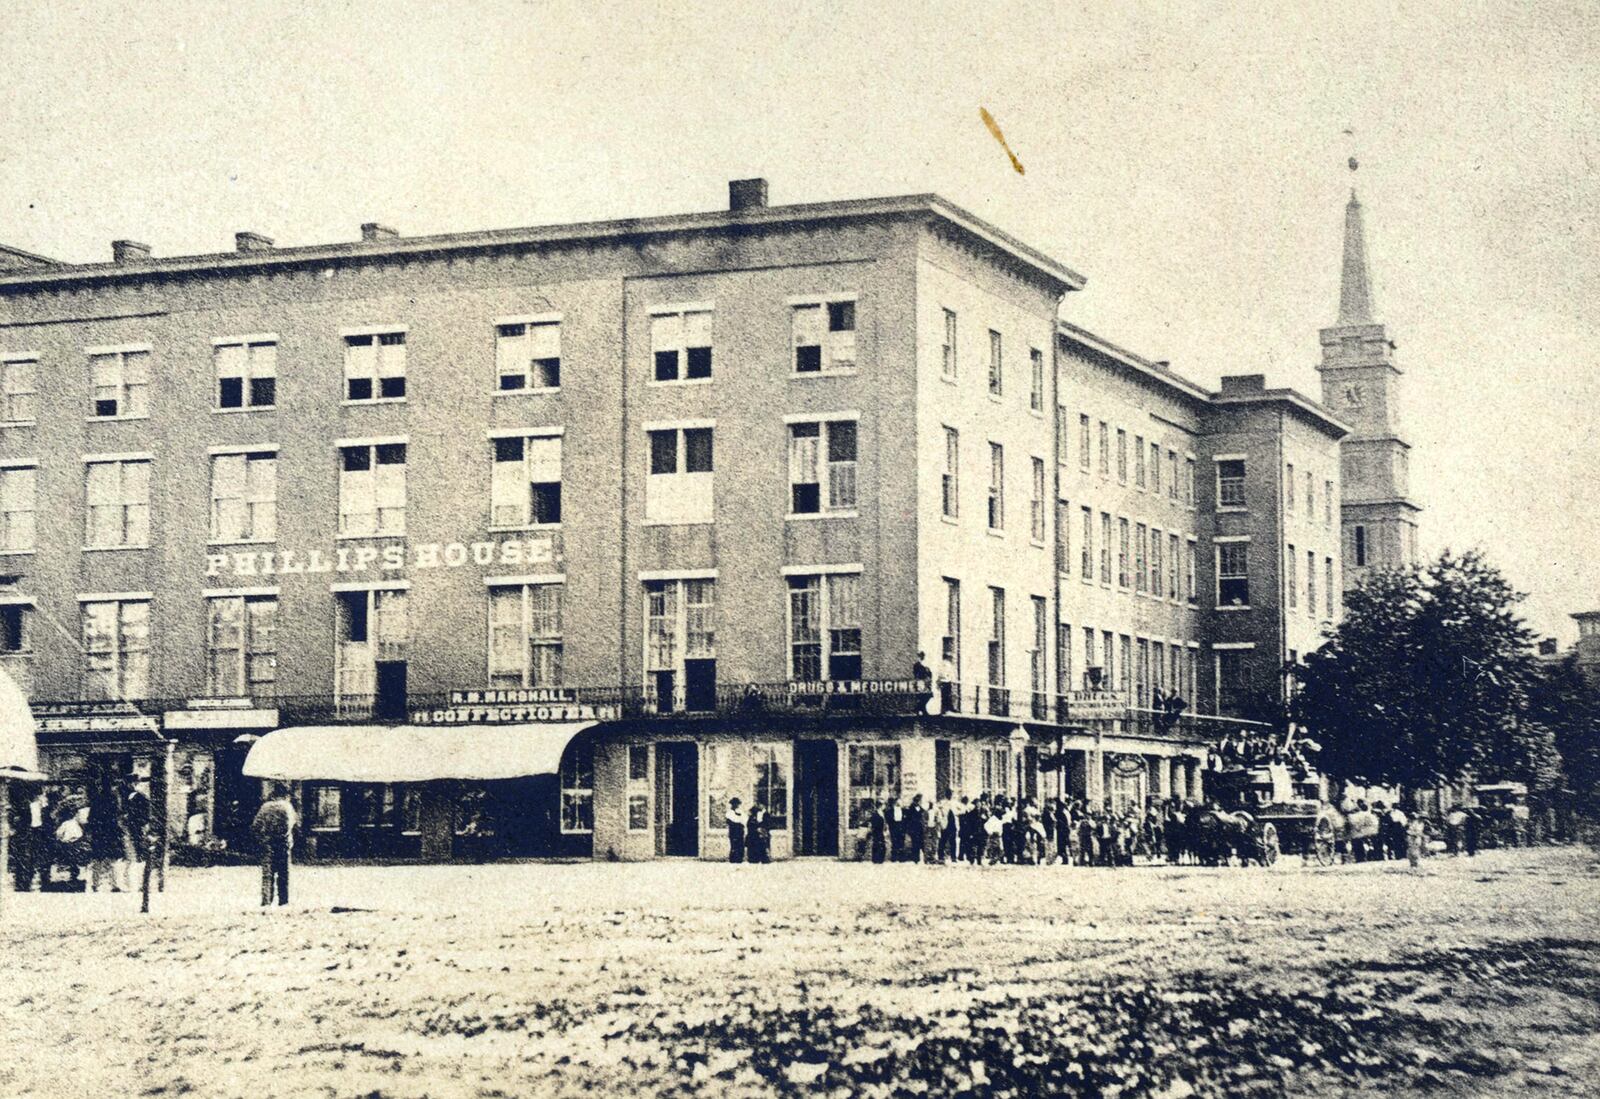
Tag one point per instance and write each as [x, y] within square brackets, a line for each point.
[410, 753]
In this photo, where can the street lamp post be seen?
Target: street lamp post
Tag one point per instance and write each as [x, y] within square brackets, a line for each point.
[1018, 740]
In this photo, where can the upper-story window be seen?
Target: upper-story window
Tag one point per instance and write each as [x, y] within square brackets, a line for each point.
[681, 643]
[19, 389]
[1230, 483]
[1327, 503]
[1138, 461]
[825, 627]
[18, 501]
[372, 488]
[119, 380]
[1122, 456]
[116, 648]
[1172, 474]
[241, 645]
[1188, 481]
[1288, 488]
[117, 491]
[1036, 514]
[948, 364]
[822, 467]
[824, 336]
[680, 488]
[525, 635]
[525, 480]
[247, 371]
[997, 487]
[1105, 449]
[1155, 468]
[1360, 535]
[527, 354]
[997, 366]
[244, 496]
[1036, 380]
[375, 365]
[950, 479]
[1233, 574]
[680, 339]
[1083, 442]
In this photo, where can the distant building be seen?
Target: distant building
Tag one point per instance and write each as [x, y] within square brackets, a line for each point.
[1586, 653]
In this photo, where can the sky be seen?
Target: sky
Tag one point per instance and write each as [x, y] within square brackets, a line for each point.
[1189, 160]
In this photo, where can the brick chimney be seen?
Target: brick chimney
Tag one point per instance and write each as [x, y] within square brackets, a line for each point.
[747, 194]
[129, 251]
[371, 231]
[1239, 384]
[252, 242]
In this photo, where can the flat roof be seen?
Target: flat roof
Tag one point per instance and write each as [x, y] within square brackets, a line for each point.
[759, 217]
[1297, 400]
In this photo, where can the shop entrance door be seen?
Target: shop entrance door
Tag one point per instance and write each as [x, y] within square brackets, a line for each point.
[816, 797]
[677, 799]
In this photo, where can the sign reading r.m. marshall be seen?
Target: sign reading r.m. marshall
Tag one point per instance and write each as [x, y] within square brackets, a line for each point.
[502, 707]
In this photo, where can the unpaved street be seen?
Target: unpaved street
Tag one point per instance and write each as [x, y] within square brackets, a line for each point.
[1474, 976]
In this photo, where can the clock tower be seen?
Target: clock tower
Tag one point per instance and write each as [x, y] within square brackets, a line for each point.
[1361, 386]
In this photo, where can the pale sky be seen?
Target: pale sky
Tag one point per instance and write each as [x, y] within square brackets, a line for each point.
[1189, 160]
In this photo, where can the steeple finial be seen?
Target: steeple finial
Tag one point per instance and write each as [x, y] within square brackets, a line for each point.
[1355, 283]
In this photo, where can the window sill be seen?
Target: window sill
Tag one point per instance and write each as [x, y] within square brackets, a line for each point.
[676, 523]
[672, 382]
[1233, 607]
[113, 549]
[1232, 511]
[244, 408]
[242, 542]
[367, 537]
[997, 398]
[373, 400]
[1036, 413]
[577, 831]
[950, 379]
[538, 391]
[18, 552]
[808, 516]
[992, 533]
[18, 423]
[524, 528]
[1037, 544]
[952, 520]
[845, 373]
[113, 419]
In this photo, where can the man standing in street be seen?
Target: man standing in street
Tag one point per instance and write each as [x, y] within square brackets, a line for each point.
[737, 821]
[273, 829]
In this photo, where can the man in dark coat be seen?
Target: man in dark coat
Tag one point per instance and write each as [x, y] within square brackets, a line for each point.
[895, 817]
[877, 832]
[916, 829]
[737, 822]
[273, 830]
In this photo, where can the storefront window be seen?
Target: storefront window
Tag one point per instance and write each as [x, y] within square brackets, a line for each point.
[772, 784]
[577, 789]
[408, 799]
[325, 809]
[717, 779]
[874, 776]
[638, 787]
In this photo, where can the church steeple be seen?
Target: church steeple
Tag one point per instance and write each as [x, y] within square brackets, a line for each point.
[1355, 285]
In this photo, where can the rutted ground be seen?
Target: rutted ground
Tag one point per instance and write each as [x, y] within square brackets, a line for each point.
[1472, 977]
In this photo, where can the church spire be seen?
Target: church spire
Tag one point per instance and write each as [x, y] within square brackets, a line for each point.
[1355, 285]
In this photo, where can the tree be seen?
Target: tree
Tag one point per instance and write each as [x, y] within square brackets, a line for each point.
[1569, 705]
[1429, 678]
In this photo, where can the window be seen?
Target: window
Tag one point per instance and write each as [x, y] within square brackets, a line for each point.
[116, 649]
[638, 787]
[1172, 567]
[1036, 387]
[1036, 516]
[1138, 462]
[1141, 674]
[325, 808]
[1155, 468]
[1172, 474]
[681, 644]
[1327, 503]
[997, 487]
[997, 637]
[1311, 500]
[1063, 538]
[19, 390]
[681, 343]
[996, 770]
[1288, 488]
[577, 789]
[824, 337]
[1062, 439]
[15, 634]
[372, 489]
[1155, 563]
[1105, 449]
[1360, 533]
[1086, 550]
[247, 373]
[1188, 481]
[1231, 682]
[120, 382]
[874, 778]
[807, 458]
[241, 645]
[371, 628]
[244, 497]
[525, 481]
[950, 644]
[1038, 655]
[1063, 658]
[18, 500]
[1233, 574]
[1122, 553]
[948, 364]
[1122, 456]
[525, 635]
[1083, 442]
[375, 366]
[1311, 583]
[527, 355]
[1089, 666]
[1327, 585]
[1230, 483]
[1124, 661]
[825, 627]
[950, 480]
[1105, 548]
[1190, 568]
[996, 365]
[1291, 580]
[771, 765]
[1139, 582]
[118, 494]
[680, 488]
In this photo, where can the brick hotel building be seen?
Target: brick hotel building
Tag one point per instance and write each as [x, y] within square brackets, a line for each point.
[641, 516]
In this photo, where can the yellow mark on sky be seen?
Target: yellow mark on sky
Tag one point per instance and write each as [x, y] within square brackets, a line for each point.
[994, 128]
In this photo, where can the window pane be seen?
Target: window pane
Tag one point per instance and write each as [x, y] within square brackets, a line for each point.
[697, 450]
[664, 451]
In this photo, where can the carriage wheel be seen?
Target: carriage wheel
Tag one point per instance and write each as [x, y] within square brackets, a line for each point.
[1322, 842]
[1269, 844]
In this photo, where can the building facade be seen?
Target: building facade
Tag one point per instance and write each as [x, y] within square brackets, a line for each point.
[781, 504]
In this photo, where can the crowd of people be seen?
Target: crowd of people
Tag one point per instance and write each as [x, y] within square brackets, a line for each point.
[59, 834]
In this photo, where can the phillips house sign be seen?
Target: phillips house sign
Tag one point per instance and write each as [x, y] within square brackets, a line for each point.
[537, 548]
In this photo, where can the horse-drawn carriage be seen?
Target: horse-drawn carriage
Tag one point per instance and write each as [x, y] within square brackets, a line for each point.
[1264, 812]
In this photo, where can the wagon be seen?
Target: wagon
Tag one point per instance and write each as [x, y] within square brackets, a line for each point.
[1277, 815]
